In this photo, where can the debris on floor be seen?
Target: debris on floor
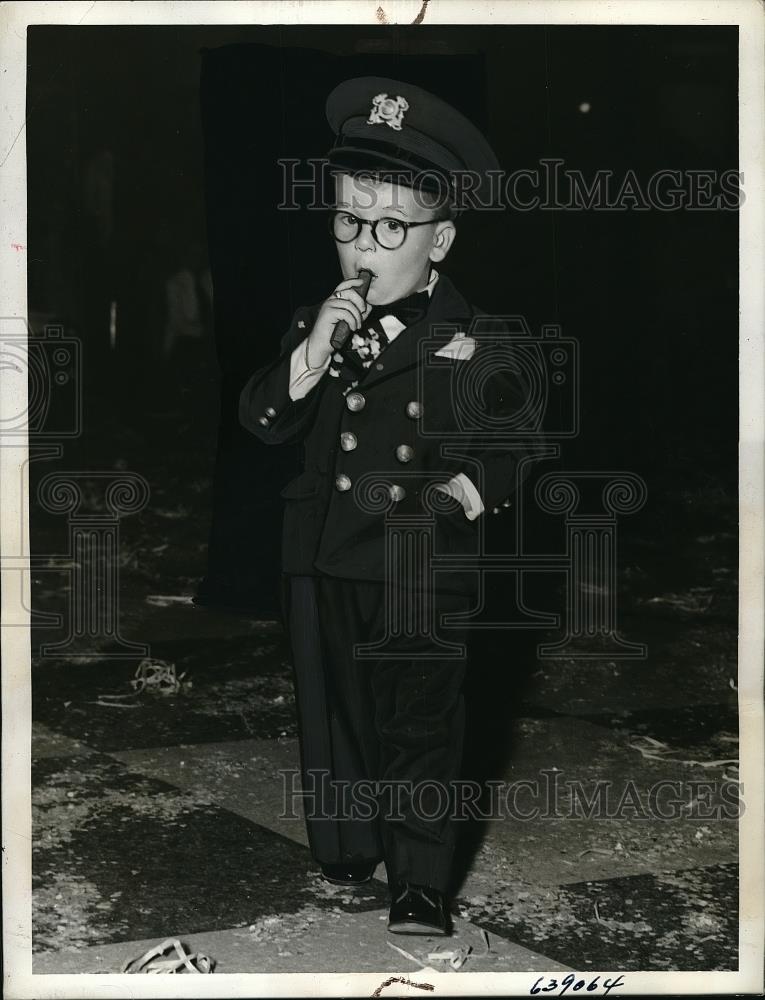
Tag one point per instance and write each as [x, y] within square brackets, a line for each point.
[158, 677]
[696, 601]
[652, 749]
[407, 954]
[152, 962]
[455, 958]
[167, 600]
[155, 677]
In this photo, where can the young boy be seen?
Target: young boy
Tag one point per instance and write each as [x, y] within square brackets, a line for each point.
[394, 722]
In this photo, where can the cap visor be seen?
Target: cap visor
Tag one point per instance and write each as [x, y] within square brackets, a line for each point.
[359, 161]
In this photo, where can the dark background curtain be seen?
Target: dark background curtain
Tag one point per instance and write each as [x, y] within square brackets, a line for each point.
[262, 104]
[128, 182]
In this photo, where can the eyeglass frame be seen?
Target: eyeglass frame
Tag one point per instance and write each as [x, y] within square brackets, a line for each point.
[373, 223]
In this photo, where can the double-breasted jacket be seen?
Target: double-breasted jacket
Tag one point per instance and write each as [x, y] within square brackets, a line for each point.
[374, 451]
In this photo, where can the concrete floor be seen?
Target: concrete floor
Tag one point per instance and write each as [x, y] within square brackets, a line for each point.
[143, 833]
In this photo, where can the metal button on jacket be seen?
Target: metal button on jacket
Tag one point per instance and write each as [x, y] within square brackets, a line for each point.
[348, 441]
[397, 492]
[343, 483]
[355, 402]
[263, 421]
[270, 411]
[414, 409]
[404, 453]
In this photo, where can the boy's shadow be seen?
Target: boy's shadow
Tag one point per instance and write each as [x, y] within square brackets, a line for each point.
[500, 664]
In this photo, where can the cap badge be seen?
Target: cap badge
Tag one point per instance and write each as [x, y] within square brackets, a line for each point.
[388, 110]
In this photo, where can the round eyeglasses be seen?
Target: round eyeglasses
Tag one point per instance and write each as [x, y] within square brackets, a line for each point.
[388, 233]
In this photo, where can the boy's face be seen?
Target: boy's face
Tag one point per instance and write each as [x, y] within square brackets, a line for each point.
[398, 272]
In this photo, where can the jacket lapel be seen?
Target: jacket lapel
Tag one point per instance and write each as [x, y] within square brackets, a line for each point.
[446, 306]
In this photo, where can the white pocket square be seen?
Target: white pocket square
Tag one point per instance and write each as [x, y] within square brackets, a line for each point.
[460, 347]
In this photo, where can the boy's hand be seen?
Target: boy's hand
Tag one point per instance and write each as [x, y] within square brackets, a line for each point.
[344, 303]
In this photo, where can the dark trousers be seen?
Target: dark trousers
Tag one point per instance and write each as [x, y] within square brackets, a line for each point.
[390, 726]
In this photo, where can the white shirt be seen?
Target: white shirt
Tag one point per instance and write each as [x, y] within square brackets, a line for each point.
[303, 379]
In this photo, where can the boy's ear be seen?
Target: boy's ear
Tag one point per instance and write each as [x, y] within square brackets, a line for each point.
[443, 238]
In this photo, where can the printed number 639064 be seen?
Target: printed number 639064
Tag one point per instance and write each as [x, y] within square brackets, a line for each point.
[575, 983]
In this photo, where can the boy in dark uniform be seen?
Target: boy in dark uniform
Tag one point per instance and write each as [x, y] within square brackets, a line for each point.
[393, 721]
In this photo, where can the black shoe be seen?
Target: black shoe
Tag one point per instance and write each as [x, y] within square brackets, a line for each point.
[417, 909]
[349, 873]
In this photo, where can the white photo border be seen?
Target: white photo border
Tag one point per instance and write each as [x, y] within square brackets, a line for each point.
[749, 15]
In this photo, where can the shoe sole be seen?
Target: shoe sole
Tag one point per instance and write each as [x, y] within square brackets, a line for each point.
[342, 881]
[410, 927]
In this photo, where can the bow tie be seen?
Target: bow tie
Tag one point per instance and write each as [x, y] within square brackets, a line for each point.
[407, 310]
[363, 347]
